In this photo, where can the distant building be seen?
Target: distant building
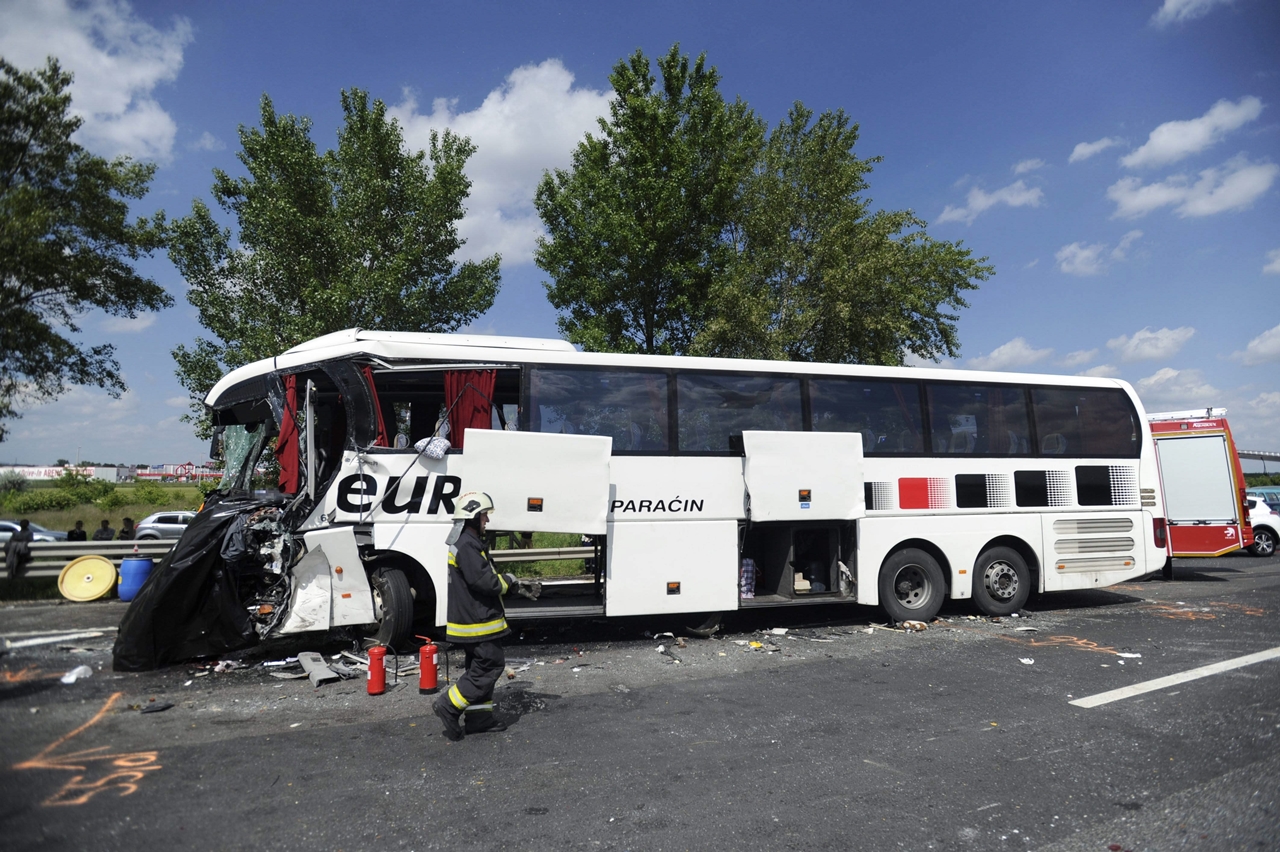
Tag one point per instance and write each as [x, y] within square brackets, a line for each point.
[107, 473]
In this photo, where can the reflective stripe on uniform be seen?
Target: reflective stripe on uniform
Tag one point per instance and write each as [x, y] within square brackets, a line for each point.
[470, 631]
[455, 696]
[477, 708]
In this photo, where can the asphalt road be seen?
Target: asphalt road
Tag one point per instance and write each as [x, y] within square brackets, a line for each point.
[836, 735]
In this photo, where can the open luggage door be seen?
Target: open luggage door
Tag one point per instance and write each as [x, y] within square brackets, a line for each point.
[803, 476]
[540, 482]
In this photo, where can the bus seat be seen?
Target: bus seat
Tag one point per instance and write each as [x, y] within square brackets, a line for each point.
[636, 435]
[962, 442]
[1054, 444]
[868, 441]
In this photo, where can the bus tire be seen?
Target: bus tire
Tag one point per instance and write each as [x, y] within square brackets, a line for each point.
[912, 587]
[1264, 542]
[393, 608]
[1001, 581]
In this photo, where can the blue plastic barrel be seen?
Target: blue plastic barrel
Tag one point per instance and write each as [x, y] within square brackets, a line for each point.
[133, 573]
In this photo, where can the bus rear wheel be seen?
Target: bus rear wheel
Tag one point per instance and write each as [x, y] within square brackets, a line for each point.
[911, 585]
[392, 607]
[1001, 582]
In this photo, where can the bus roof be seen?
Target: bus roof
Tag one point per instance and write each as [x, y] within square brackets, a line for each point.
[496, 349]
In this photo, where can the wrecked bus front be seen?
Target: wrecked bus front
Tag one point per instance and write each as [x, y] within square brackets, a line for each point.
[247, 566]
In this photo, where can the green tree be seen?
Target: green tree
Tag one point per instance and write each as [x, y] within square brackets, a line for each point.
[66, 243]
[635, 225]
[361, 235]
[817, 275]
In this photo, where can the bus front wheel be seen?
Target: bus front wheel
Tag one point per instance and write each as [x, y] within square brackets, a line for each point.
[1001, 582]
[911, 586]
[392, 607]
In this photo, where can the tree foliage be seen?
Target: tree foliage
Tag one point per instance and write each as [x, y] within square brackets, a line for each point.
[687, 227]
[636, 223]
[817, 275]
[66, 243]
[361, 235]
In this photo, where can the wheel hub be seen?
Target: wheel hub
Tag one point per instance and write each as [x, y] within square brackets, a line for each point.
[1001, 581]
[911, 587]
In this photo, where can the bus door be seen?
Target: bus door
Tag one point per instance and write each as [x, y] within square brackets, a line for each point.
[804, 490]
[540, 482]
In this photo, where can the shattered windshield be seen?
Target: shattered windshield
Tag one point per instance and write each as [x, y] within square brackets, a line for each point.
[246, 465]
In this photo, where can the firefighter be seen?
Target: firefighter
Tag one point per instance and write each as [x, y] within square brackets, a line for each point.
[477, 621]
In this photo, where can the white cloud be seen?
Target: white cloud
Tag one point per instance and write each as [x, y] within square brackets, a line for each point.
[1102, 371]
[1085, 150]
[118, 60]
[1175, 390]
[529, 124]
[1148, 345]
[1012, 355]
[1262, 349]
[911, 359]
[127, 325]
[1234, 185]
[1016, 194]
[1032, 264]
[1081, 259]
[207, 142]
[1273, 262]
[1183, 10]
[1176, 140]
[182, 403]
[1079, 357]
[1122, 249]
[1028, 166]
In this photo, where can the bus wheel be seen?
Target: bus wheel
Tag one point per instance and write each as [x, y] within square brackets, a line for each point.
[911, 586]
[1001, 582]
[1264, 542]
[392, 607]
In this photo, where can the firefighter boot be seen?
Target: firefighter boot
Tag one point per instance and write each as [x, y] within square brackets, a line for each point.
[451, 717]
[480, 720]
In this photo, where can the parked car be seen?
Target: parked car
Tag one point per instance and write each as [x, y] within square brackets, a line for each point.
[1267, 493]
[164, 525]
[1266, 527]
[8, 528]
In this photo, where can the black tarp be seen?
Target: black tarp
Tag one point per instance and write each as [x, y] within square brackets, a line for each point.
[189, 606]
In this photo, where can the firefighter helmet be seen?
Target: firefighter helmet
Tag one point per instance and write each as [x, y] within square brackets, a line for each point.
[471, 504]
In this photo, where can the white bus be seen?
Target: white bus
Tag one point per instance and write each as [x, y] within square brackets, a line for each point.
[704, 485]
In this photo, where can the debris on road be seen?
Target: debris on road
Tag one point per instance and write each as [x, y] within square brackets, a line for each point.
[156, 708]
[1026, 661]
[316, 668]
[77, 673]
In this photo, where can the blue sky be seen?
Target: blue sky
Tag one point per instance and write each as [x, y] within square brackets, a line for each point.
[1118, 162]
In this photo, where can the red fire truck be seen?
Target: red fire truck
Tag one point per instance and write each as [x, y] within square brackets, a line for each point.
[1203, 483]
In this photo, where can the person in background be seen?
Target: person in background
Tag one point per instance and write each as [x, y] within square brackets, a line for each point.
[127, 531]
[104, 532]
[17, 550]
[77, 534]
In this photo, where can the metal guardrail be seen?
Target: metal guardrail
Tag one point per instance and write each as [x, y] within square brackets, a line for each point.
[48, 558]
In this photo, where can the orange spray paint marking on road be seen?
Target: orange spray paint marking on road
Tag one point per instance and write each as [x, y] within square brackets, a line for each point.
[1073, 642]
[123, 770]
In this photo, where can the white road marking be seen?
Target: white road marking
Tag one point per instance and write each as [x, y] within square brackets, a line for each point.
[1173, 680]
[50, 640]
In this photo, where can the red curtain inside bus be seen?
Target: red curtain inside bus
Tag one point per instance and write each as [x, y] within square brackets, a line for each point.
[381, 440]
[469, 393]
[287, 443]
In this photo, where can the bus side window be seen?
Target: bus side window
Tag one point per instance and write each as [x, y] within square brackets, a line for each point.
[715, 408]
[1097, 422]
[628, 406]
[886, 413]
[979, 419]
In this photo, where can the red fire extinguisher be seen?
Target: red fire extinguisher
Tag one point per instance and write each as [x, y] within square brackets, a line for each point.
[377, 670]
[427, 666]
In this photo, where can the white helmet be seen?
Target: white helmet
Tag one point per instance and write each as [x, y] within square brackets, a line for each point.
[471, 504]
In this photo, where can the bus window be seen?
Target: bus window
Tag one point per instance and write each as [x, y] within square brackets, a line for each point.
[1080, 423]
[715, 406]
[628, 406]
[980, 419]
[886, 413]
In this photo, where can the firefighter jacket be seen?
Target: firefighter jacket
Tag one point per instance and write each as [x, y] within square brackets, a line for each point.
[475, 593]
